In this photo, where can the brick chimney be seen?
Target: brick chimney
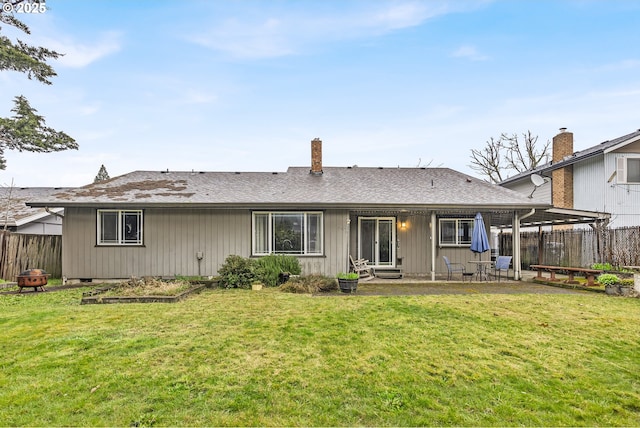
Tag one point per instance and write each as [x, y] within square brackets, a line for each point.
[562, 179]
[316, 156]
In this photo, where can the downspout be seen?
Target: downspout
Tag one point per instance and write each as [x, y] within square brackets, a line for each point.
[53, 213]
[433, 246]
[515, 236]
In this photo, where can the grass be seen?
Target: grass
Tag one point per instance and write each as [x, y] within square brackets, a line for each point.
[246, 358]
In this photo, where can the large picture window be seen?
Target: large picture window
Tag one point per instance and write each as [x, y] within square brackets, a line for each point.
[628, 170]
[119, 227]
[455, 231]
[287, 233]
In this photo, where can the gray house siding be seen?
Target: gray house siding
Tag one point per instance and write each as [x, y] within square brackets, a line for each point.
[622, 199]
[590, 185]
[414, 248]
[173, 237]
[49, 225]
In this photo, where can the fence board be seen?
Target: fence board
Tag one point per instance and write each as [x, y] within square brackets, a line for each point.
[581, 248]
[20, 252]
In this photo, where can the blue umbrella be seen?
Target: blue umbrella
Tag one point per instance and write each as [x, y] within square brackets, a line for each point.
[479, 240]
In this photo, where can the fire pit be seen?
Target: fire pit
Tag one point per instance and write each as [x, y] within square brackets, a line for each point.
[35, 278]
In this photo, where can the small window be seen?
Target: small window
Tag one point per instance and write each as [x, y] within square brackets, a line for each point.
[628, 170]
[295, 233]
[455, 231]
[119, 227]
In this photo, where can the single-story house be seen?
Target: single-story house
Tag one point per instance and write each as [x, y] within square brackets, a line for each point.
[17, 217]
[166, 223]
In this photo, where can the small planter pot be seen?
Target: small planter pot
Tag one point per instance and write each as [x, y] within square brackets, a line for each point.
[612, 289]
[348, 285]
[619, 290]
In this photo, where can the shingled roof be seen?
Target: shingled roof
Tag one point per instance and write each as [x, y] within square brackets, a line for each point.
[15, 212]
[335, 187]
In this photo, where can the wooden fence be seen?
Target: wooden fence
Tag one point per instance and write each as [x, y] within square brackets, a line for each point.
[19, 252]
[581, 248]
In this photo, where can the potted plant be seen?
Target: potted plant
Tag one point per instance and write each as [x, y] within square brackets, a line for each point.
[614, 286]
[348, 282]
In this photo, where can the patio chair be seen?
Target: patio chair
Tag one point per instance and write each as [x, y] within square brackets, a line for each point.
[502, 264]
[453, 268]
[361, 267]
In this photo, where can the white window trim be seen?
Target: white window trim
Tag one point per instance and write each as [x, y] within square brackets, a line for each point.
[119, 228]
[305, 238]
[621, 169]
[457, 220]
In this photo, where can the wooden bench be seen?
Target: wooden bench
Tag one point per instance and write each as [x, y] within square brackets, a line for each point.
[590, 274]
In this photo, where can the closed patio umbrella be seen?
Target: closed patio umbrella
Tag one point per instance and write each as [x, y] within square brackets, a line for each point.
[479, 239]
[479, 243]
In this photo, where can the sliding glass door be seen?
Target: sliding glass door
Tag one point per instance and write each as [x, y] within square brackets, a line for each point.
[376, 238]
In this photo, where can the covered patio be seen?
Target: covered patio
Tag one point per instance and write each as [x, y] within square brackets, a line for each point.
[413, 239]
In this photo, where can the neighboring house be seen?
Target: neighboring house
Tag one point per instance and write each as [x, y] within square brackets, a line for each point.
[604, 178]
[17, 217]
[165, 223]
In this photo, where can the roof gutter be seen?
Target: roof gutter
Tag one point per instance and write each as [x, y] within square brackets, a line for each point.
[53, 213]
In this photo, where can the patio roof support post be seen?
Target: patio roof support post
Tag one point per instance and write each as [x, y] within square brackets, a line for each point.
[433, 246]
[515, 236]
[515, 243]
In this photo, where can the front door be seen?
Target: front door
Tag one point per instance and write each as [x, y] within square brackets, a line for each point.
[376, 237]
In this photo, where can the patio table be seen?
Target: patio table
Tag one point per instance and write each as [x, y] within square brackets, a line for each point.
[481, 269]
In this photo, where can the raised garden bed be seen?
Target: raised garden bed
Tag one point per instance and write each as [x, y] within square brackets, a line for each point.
[143, 291]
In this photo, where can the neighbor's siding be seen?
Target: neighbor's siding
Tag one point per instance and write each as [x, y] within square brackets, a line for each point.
[172, 237]
[621, 200]
[541, 195]
[590, 185]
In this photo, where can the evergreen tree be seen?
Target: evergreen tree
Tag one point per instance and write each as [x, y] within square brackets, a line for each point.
[26, 130]
[102, 175]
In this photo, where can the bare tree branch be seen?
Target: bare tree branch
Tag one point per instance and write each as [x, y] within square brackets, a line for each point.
[509, 154]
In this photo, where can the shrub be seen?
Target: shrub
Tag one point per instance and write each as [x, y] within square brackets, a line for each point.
[309, 284]
[350, 275]
[237, 272]
[608, 279]
[269, 268]
[602, 266]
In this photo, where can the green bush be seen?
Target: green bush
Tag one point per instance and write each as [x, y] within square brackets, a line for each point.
[350, 275]
[602, 266]
[237, 272]
[608, 279]
[309, 284]
[268, 268]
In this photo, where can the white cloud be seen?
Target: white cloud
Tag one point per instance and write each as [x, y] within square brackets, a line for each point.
[78, 55]
[276, 33]
[628, 64]
[470, 53]
[198, 97]
[88, 110]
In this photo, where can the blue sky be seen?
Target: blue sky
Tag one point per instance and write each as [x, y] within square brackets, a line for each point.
[246, 85]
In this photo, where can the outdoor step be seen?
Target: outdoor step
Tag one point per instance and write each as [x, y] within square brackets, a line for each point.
[389, 273]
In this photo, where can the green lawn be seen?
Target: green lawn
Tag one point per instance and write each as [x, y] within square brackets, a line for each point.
[240, 357]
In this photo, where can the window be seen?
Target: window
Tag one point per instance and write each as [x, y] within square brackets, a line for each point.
[287, 233]
[119, 227]
[455, 231]
[628, 169]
